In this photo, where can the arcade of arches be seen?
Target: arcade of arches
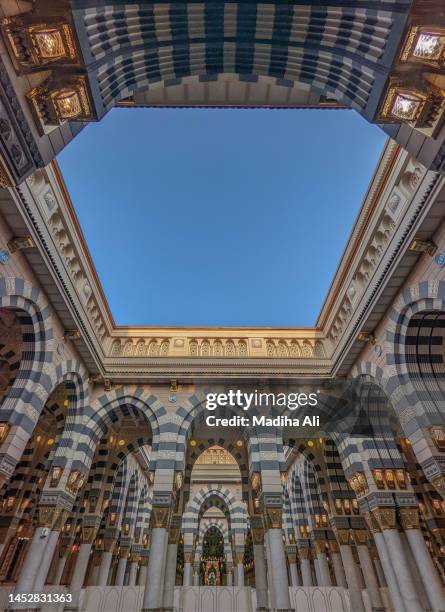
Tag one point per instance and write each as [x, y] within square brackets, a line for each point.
[115, 490]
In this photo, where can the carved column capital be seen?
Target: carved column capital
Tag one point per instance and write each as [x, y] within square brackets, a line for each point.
[360, 537]
[109, 544]
[320, 546]
[385, 517]
[273, 517]
[124, 552]
[439, 484]
[409, 518]
[343, 536]
[188, 556]
[372, 523]
[160, 517]
[257, 536]
[304, 553]
[52, 517]
[88, 535]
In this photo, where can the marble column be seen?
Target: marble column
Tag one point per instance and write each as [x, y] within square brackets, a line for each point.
[388, 570]
[32, 562]
[401, 569]
[187, 578]
[142, 578]
[427, 570]
[81, 566]
[353, 579]
[229, 576]
[305, 565]
[170, 573]
[279, 569]
[239, 574]
[61, 562]
[260, 575]
[104, 568]
[337, 564]
[372, 586]
[293, 570]
[195, 578]
[45, 562]
[323, 574]
[153, 587]
[121, 569]
[134, 566]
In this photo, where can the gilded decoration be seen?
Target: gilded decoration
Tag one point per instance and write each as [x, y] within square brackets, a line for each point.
[409, 518]
[385, 517]
[273, 517]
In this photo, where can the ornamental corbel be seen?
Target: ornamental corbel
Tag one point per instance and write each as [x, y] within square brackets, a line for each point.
[409, 518]
[385, 517]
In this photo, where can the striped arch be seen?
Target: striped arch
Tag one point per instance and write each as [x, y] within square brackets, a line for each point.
[110, 408]
[73, 374]
[130, 507]
[218, 496]
[142, 523]
[296, 498]
[312, 494]
[12, 361]
[345, 53]
[32, 382]
[207, 524]
[415, 353]
[287, 512]
[376, 445]
[127, 475]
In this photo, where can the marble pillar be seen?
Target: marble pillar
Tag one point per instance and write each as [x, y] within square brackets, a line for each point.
[260, 576]
[353, 579]
[142, 578]
[45, 562]
[81, 566]
[239, 574]
[339, 571]
[33, 559]
[372, 586]
[153, 588]
[427, 570]
[170, 575]
[132, 578]
[323, 575]
[293, 570]
[121, 569]
[104, 568]
[305, 565]
[401, 568]
[388, 570]
[187, 578]
[61, 562]
[278, 569]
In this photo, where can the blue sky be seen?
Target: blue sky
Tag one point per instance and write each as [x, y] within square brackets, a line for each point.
[219, 217]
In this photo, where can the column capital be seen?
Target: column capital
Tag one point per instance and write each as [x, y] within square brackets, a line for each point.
[343, 536]
[320, 546]
[52, 517]
[257, 536]
[188, 556]
[409, 518]
[360, 537]
[385, 517]
[372, 523]
[124, 552]
[88, 535]
[305, 553]
[439, 484]
[333, 546]
[109, 544]
[273, 517]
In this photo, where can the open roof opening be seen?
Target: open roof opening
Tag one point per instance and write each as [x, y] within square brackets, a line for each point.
[228, 218]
